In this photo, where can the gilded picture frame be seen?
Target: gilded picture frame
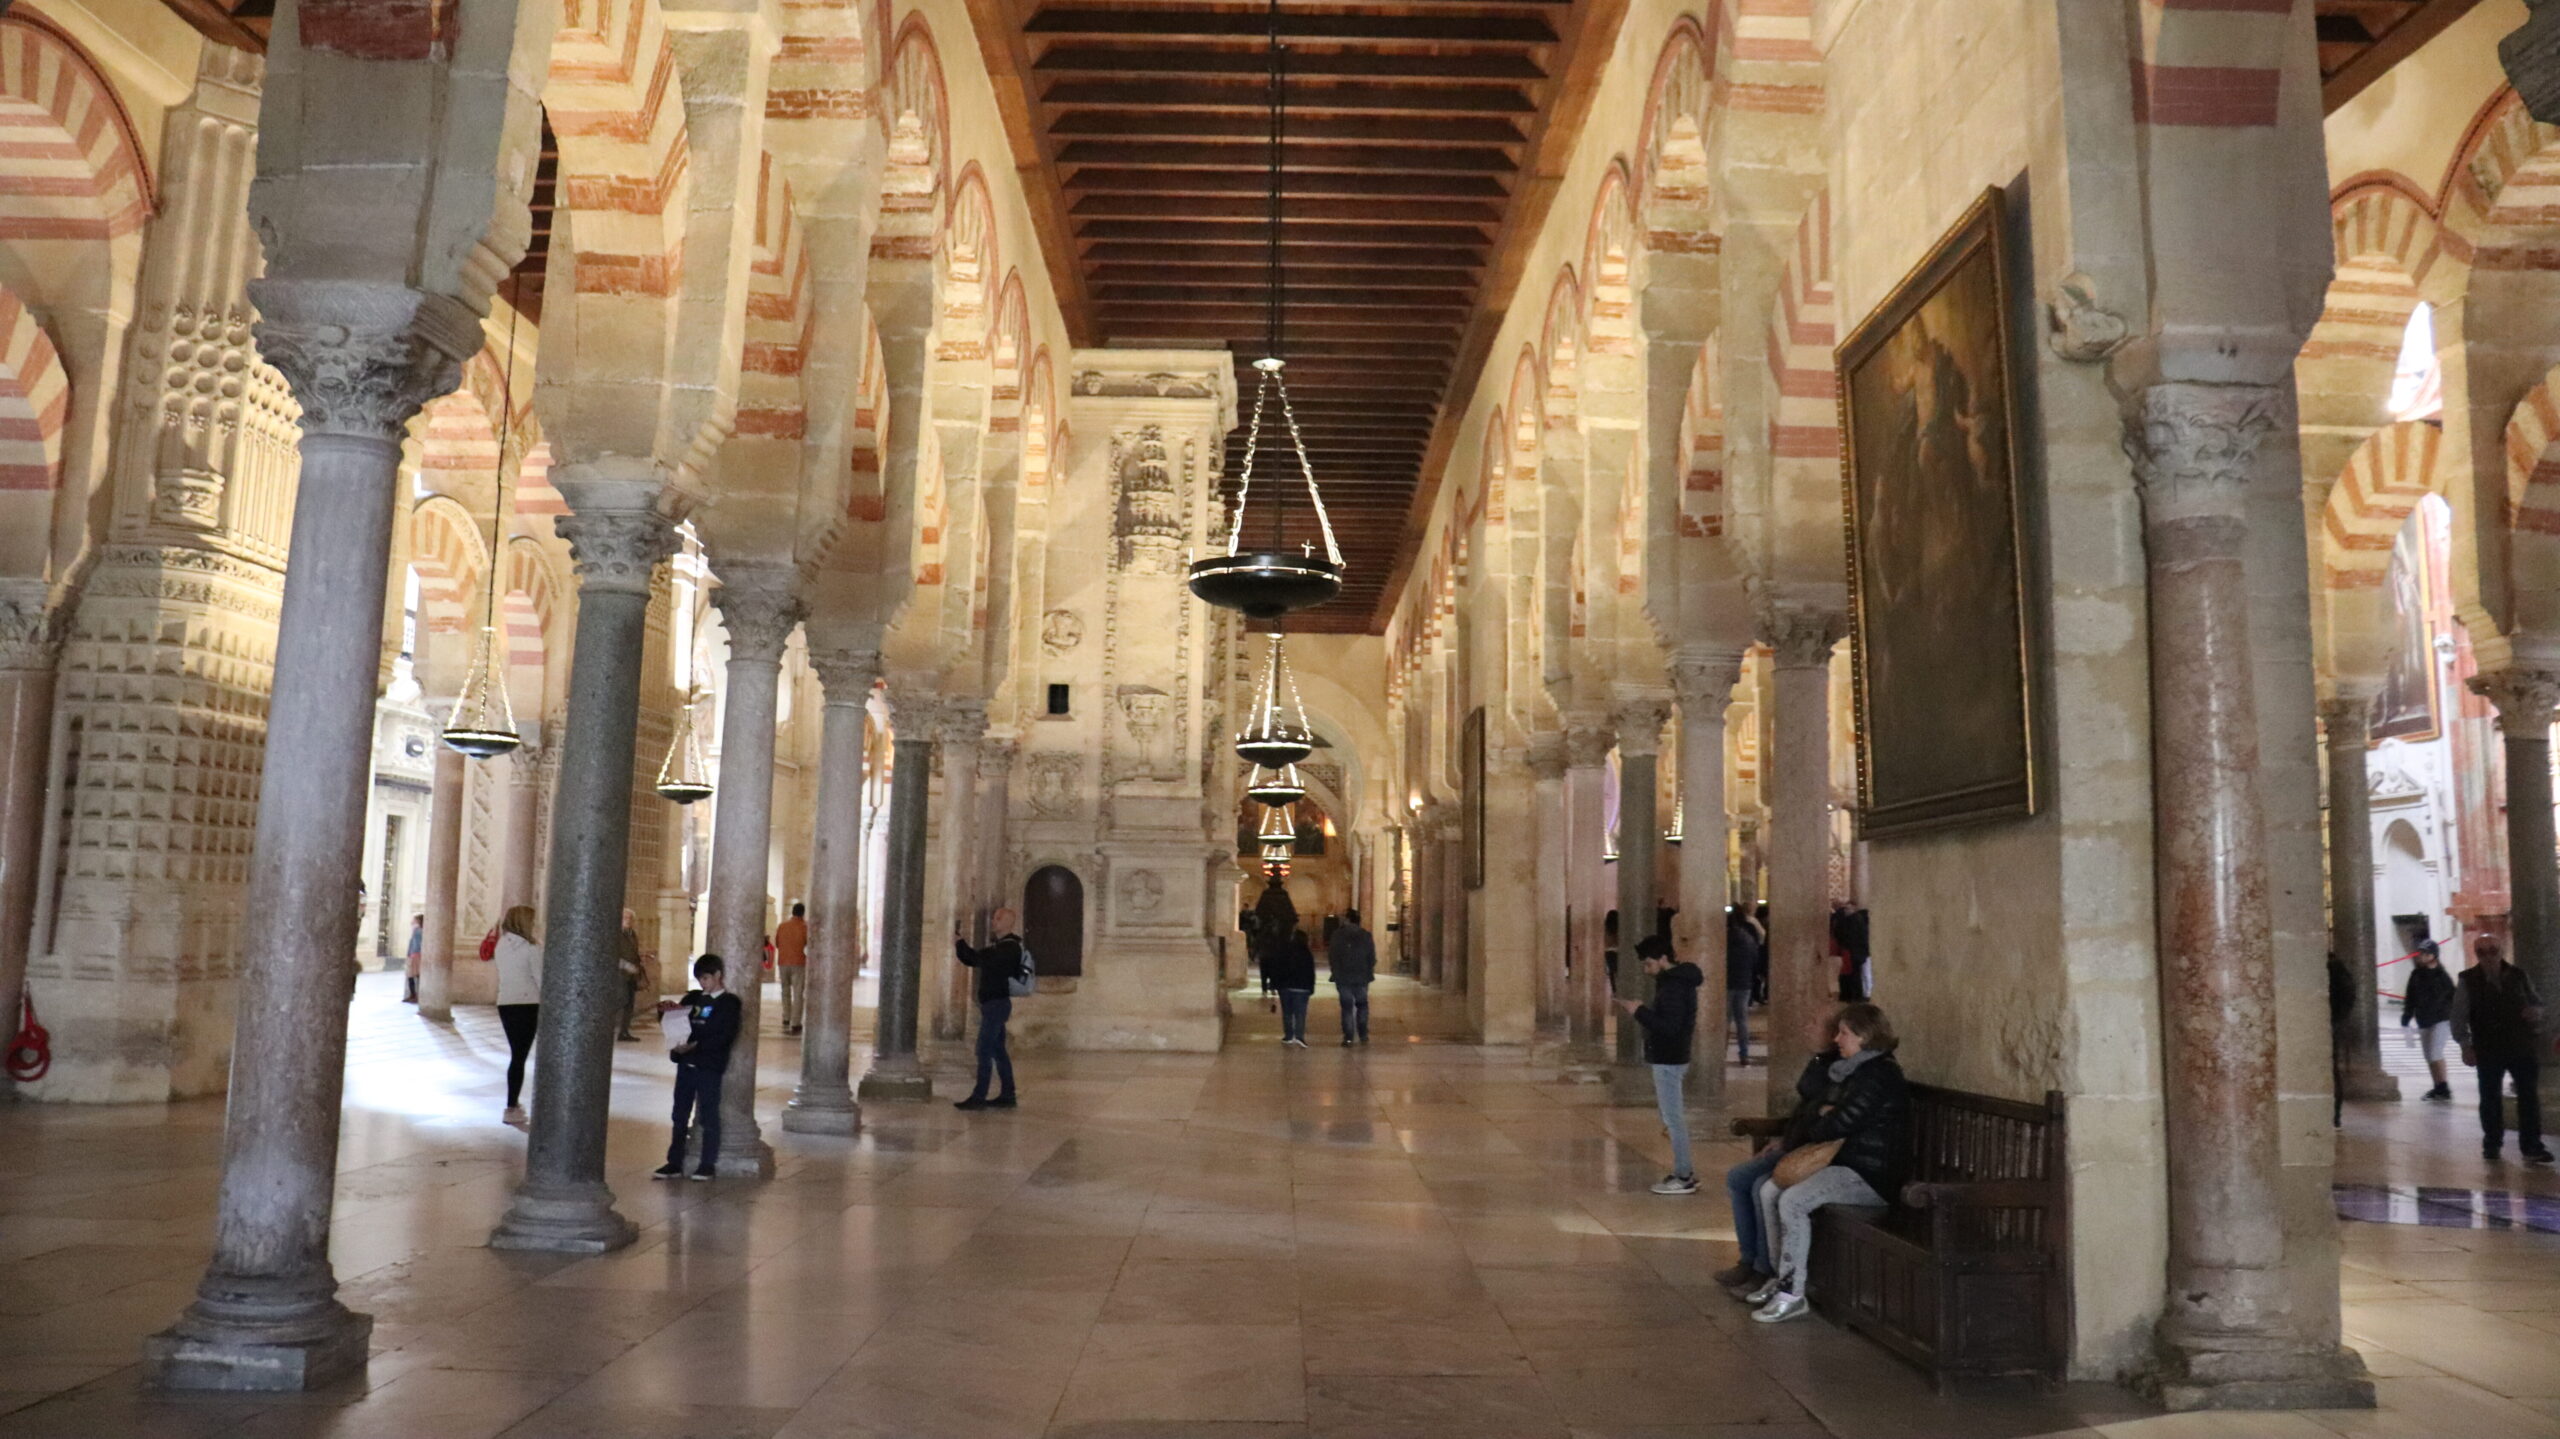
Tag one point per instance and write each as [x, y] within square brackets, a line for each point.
[1940, 635]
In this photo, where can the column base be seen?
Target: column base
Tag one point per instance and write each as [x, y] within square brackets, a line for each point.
[2359, 1083]
[1585, 1064]
[1631, 1085]
[579, 1219]
[235, 1358]
[830, 1113]
[742, 1156]
[905, 1085]
[2193, 1377]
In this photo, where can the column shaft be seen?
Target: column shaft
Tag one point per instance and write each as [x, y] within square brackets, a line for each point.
[1456, 942]
[2347, 723]
[1639, 832]
[2525, 699]
[444, 885]
[1706, 688]
[26, 734]
[1586, 802]
[759, 611]
[1546, 765]
[824, 1103]
[895, 1074]
[957, 867]
[563, 1203]
[1802, 982]
[524, 821]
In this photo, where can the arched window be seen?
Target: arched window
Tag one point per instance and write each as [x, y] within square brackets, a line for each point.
[2417, 383]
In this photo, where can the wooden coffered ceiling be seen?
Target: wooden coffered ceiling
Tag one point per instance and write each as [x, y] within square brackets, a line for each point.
[1424, 142]
[2361, 39]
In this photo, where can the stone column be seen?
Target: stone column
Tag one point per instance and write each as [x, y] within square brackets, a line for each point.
[1586, 803]
[29, 645]
[1546, 767]
[521, 883]
[362, 359]
[444, 881]
[1456, 940]
[1639, 724]
[2347, 721]
[895, 1074]
[995, 811]
[2226, 1335]
[618, 539]
[1802, 980]
[1704, 680]
[2525, 698]
[824, 1103]
[759, 611]
[964, 727]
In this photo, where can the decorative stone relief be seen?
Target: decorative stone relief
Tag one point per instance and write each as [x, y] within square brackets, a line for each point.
[362, 359]
[1148, 715]
[30, 630]
[1148, 522]
[758, 609]
[1142, 895]
[2525, 700]
[1799, 637]
[1057, 781]
[2195, 446]
[1156, 385]
[2079, 328]
[1061, 631]
[617, 551]
[2389, 782]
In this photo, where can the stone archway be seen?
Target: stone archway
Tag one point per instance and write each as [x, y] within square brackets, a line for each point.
[1053, 921]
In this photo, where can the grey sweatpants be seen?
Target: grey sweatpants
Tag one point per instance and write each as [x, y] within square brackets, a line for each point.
[1786, 1216]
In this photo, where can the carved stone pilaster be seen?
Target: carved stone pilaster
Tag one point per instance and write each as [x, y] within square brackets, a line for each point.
[362, 359]
[2195, 446]
[1800, 636]
[759, 610]
[617, 551]
[2525, 700]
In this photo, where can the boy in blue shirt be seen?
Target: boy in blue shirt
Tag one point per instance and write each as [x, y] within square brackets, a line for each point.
[701, 1061]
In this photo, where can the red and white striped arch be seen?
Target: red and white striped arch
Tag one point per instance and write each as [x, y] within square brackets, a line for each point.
[1702, 446]
[70, 166]
[820, 75]
[2533, 464]
[2504, 191]
[1804, 416]
[2384, 479]
[1040, 446]
[1768, 59]
[968, 261]
[2210, 64]
[616, 106]
[865, 497]
[1608, 263]
[457, 448]
[772, 400]
[1560, 344]
[35, 396]
[1672, 178]
[1008, 349]
[915, 107]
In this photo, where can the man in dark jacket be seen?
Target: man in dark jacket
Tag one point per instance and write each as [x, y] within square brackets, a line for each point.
[1670, 1024]
[1352, 956]
[2428, 1005]
[701, 1061]
[996, 965]
[1741, 971]
[1289, 966]
[2497, 1019]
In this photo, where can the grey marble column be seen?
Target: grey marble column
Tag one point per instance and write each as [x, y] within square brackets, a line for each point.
[759, 611]
[618, 539]
[29, 646]
[1802, 979]
[1704, 680]
[524, 823]
[2347, 724]
[2525, 698]
[824, 1103]
[1546, 769]
[895, 1072]
[1431, 893]
[362, 359]
[1587, 742]
[995, 830]
[964, 728]
[1639, 723]
[443, 903]
[2227, 1337]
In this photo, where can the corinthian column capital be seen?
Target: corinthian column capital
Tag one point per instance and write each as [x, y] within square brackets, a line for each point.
[30, 628]
[1640, 718]
[759, 609]
[1587, 740]
[2195, 446]
[1801, 636]
[616, 550]
[2348, 718]
[1704, 678]
[1546, 755]
[847, 675]
[2525, 699]
[362, 359]
[963, 721]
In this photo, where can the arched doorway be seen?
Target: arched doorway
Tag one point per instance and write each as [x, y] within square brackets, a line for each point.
[1053, 921]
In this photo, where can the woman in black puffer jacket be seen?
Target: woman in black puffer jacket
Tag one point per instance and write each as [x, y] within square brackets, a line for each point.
[1866, 1108]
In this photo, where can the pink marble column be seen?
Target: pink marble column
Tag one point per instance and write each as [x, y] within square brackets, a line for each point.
[2347, 724]
[444, 885]
[1547, 769]
[1704, 681]
[1802, 979]
[1587, 742]
[824, 1103]
[2227, 1337]
[27, 653]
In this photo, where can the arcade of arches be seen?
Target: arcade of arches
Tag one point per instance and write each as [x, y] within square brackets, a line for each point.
[831, 392]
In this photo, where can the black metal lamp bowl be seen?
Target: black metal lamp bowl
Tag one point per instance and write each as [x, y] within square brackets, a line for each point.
[1265, 584]
[482, 743]
[1275, 748]
[1276, 787]
[683, 791]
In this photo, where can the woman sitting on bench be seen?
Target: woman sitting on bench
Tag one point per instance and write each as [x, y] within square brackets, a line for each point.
[1850, 1153]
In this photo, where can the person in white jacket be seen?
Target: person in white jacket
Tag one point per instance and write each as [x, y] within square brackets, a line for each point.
[519, 961]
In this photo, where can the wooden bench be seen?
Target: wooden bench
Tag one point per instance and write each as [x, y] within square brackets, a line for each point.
[1969, 1275]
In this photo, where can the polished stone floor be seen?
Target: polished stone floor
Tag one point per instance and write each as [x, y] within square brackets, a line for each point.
[1419, 1238]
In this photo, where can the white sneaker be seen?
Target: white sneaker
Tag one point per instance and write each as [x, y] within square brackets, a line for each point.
[1675, 1184]
[1768, 1290]
[1781, 1307]
[514, 1115]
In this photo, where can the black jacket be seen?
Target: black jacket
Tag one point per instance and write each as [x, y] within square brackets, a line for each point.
[2430, 996]
[1809, 1087]
[1671, 1021]
[2489, 1017]
[1870, 1114]
[1352, 956]
[1275, 918]
[1289, 964]
[996, 965]
[715, 1028]
[1741, 954]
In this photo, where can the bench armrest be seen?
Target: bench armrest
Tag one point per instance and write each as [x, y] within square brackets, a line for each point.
[1981, 1194]
[1750, 1127]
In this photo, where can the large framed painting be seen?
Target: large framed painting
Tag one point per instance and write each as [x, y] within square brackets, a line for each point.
[1939, 622]
[1471, 801]
[2406, 707]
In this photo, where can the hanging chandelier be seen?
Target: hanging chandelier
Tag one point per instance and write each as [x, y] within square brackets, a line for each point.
[682, 776]
[1267, 580]
[1278, 734]
[1276, 787]
[483, 723]
[1279, 839]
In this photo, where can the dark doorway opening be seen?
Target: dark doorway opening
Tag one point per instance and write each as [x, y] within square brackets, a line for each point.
[1053, 921]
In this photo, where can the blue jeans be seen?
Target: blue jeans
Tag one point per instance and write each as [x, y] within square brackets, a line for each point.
[1741, 1185]
[1293, 1013]
[1737, 1013]
[1667, 1079]
[1355, 1010]
[992, 1014]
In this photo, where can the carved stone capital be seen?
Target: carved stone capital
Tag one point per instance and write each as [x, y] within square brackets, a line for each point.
[2078, 326]
[1799, 637]
[1546, 755]
[30, 628]
[1639, 721]
[2195, 446]
[963, 722]
[848, 676]
[915, 706]
[996, 755]
[362, 359]
[1587, 741]
[759, 609]
[617, 551]
[1704, 680]
[2525, 700]
[2347, 719]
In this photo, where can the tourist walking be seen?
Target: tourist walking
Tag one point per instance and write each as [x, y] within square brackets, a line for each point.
[519, 961]
[702, 1061]
[417, 951]
[1741, 971]
[635, 971]
[1290, 968]
[1757, 1264]
[1351, 961]
[2497, 1019]
[1862, 1117]
[997, 966]
[791, 960]
[1670, 1025]
[2428, 1005]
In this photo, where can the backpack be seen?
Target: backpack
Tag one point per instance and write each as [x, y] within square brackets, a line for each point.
[1020, 984]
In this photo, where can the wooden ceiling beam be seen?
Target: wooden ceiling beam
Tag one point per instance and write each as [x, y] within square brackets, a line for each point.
[1296, 158]
[1305, 296]
[1305, 99]
[1062, 21]
[1378, 210]
[1305, 66]
[1145, 124]
[1196, 259]
[1119, 277]
[1096, 180]
[1293, 232]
